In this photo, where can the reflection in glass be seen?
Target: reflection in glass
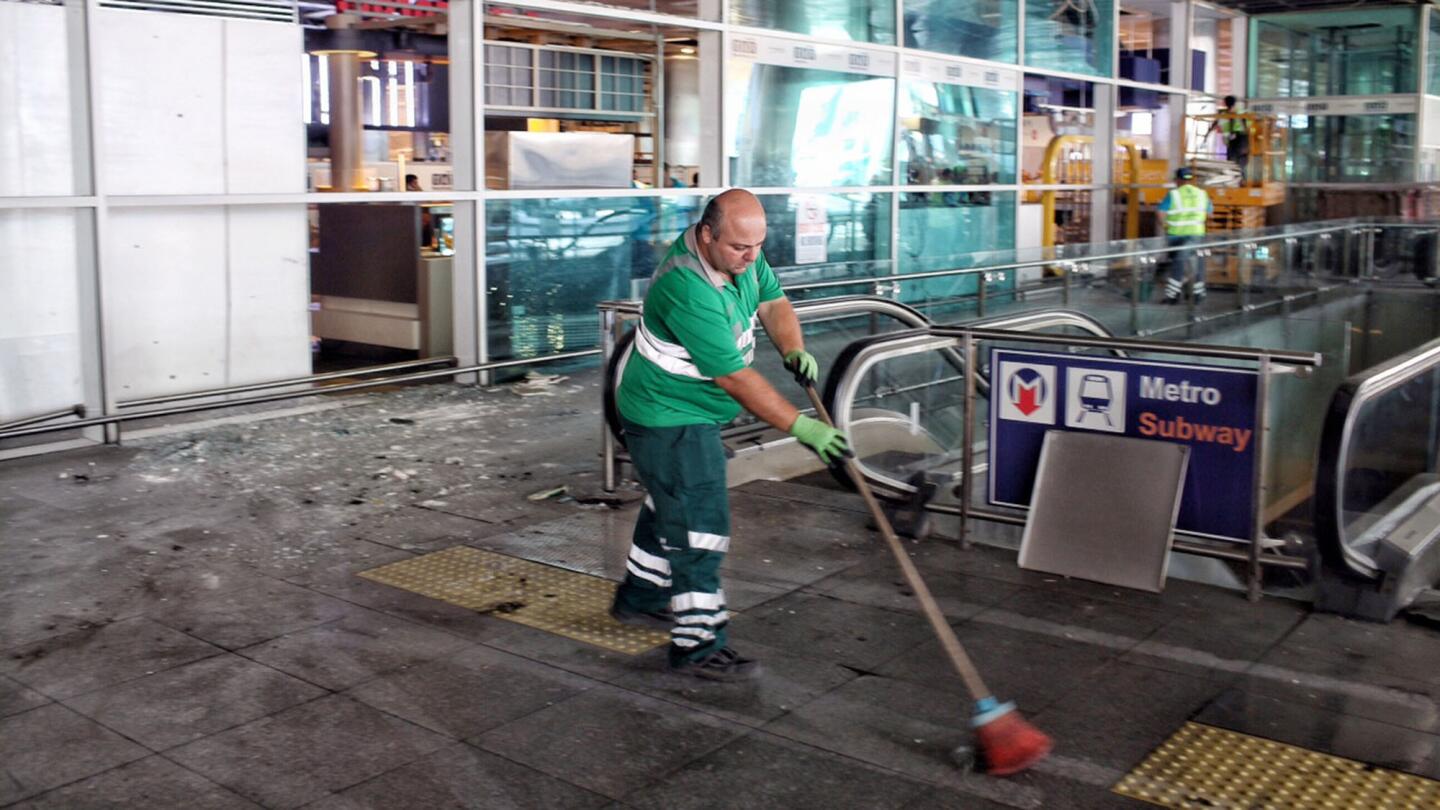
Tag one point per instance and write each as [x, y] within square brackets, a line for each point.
[1351, 148]
[854, 229]
[1433, 55]
[855, 20]
[805, 127]
[947, 230]
[956, 135]
[550, 261]
[1077, 36]
[1352, 52]
[984, 29]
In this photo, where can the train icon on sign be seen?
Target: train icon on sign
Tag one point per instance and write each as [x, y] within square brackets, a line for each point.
[1095, 399]
[1028, 392]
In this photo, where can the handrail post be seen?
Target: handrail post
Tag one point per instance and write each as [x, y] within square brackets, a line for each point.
[967, 454]
[1259, 486]
[607, 351]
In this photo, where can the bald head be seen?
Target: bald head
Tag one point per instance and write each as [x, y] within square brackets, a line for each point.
[731, 231]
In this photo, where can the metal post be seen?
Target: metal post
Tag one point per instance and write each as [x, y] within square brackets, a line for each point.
[984, 279]
[967, 458]
[1260, 487]
[607, 441]
[1065, 269]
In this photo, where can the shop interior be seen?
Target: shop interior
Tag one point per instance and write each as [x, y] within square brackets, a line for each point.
[568, 104]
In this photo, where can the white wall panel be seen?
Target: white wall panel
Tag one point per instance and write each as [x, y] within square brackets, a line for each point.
[166, 291]
[39, 315]
[269, 293]
[35, 143]
[264, 127]
[161, 100]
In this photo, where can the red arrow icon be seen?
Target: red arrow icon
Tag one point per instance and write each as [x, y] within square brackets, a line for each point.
[1028, 402]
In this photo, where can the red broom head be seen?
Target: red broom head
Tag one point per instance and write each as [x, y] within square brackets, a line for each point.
[1009, 744]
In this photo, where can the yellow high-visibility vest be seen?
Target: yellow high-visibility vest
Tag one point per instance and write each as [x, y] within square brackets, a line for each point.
[1188, 207]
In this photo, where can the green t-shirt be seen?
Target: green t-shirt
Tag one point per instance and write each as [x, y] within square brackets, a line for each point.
[697, 331]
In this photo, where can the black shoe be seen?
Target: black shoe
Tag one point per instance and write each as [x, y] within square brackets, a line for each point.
[721, 665]
[1171, 301]
[661, 620]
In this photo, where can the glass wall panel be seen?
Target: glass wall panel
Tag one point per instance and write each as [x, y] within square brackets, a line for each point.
[791, 126]
[1352, 148]
[941, 231]
[854, 229]
[1057, 130]
[957, 135]
[1076, 36]
[1335, 53]
[40, 334]
[1433, 55]
[984, 29]
[550, 261]
[35, 129]
[856, 20]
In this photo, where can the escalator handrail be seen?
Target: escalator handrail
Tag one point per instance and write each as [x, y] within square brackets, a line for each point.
[1341, 420]
[865, 350]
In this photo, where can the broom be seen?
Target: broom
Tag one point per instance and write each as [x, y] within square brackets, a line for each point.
[1003, 738]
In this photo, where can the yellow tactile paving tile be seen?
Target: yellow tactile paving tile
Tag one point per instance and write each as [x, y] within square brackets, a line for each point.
[542, 596]
[1203, 766]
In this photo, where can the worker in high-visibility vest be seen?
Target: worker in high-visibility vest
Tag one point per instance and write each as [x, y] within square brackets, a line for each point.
[1183, 213]
[1237, 136]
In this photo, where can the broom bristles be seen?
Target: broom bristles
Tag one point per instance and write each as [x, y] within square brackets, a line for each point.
[1007, 743]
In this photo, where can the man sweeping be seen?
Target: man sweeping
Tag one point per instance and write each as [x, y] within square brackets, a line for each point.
[689, 375]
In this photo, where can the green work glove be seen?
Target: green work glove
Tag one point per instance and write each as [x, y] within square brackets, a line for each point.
[803, 365]
[827, 442]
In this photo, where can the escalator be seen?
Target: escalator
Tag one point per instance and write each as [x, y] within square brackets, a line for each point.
[1378, 490]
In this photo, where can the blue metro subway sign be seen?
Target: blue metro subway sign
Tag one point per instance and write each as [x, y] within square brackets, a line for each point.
[1211, 409]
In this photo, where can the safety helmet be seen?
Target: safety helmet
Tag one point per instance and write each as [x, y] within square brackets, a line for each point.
[1184, 173]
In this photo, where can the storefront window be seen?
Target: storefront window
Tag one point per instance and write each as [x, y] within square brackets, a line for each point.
[956, 135]
[1352, 148]
[984, 29]
[1335, 53]
[854, 20]
[1077, 36]
[790, 126]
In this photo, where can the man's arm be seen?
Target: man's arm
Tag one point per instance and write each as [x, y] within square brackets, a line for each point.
[756, 395]
[781, 325]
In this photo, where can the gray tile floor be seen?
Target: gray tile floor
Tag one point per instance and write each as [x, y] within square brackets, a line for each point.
[181, 625]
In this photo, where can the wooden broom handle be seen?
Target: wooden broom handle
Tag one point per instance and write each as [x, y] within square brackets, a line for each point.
[943, 631]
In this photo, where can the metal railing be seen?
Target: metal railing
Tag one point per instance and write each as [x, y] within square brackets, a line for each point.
[967, 340]
[117, 419]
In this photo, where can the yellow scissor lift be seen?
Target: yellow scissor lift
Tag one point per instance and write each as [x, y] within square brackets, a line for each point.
[1240, 201]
